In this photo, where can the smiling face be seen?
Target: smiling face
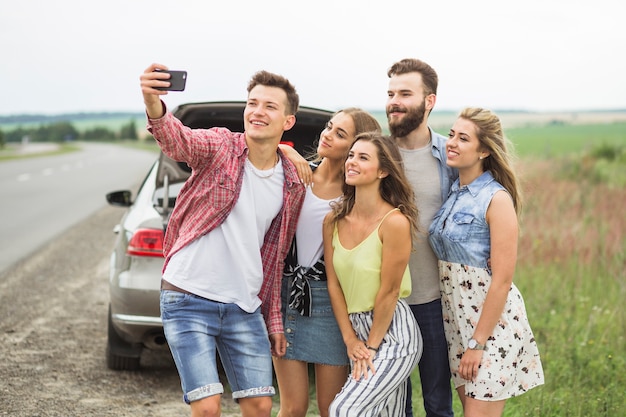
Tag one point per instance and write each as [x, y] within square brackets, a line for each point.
[265, 117]
[362, 166]
[337, 137]
[464, 150]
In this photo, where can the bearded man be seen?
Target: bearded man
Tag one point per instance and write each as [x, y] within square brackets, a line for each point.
[412, 94]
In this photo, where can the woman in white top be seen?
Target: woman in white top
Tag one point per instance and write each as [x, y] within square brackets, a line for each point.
[310, 326]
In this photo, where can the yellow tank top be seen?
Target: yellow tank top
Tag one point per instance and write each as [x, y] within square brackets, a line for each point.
[358, 271]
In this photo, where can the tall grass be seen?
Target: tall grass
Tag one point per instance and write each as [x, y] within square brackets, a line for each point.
[571, 271]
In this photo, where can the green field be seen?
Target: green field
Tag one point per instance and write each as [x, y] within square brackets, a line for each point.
[545, 136]
[555, 140]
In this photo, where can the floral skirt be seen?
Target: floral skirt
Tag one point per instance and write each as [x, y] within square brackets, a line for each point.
[511, 365]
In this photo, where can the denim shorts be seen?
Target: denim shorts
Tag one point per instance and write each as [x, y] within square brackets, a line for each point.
[314, 339]
[195, 328]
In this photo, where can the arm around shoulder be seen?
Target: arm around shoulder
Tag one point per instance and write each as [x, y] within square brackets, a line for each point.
[302, 165]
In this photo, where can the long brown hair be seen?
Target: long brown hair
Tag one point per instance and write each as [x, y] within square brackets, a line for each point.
[363, 122]
[395, 189]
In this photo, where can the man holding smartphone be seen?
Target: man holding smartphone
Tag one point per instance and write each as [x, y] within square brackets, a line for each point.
[231, 229]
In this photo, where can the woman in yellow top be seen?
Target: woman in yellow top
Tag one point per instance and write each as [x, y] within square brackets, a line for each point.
[367, 242]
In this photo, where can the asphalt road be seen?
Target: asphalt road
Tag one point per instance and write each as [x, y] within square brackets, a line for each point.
[53, 321]
[41, 197]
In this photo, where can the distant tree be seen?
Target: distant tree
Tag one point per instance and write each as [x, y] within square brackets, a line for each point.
[98, 133]
[16, 135]
[55, 132]
[2, 142]
[129, 131]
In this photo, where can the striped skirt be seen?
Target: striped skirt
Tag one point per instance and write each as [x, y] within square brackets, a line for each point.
[382, 394]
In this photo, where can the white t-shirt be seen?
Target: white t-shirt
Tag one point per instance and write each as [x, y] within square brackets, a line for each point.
[225, 264]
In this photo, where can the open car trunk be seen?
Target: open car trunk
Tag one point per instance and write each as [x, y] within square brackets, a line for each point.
[303, 137]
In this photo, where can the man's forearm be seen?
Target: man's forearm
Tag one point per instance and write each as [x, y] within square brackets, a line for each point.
[155, 109]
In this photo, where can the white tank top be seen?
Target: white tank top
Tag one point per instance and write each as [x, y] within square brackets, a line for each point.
[309, 231]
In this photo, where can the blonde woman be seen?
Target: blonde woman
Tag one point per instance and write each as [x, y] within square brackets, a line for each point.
[492, 351]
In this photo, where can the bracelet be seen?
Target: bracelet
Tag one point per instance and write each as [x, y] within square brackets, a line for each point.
[372, 348]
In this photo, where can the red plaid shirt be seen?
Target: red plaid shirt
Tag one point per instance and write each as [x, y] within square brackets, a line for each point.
[217, 157]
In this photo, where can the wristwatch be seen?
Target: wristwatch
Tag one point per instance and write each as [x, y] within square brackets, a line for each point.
[474, 345]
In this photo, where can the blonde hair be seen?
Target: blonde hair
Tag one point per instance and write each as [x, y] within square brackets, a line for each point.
[501, 156]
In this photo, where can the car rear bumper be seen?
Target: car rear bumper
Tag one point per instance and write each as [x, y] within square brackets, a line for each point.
[136, 316]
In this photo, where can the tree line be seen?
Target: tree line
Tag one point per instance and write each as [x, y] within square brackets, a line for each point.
[64, 131]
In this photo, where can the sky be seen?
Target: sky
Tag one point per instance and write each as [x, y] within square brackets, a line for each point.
[67, 56]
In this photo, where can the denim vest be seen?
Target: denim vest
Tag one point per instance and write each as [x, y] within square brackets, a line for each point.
[447, 175]
[459, 232]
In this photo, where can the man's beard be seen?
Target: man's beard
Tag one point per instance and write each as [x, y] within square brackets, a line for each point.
[413, 117]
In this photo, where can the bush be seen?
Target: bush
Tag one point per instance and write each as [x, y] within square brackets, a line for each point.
[610, 152]
[98, 133]
[603, 164]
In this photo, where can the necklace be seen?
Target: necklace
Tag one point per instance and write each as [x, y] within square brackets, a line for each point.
[262, 173]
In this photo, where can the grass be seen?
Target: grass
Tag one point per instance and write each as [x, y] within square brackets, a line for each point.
[559, 139]
[571, 271]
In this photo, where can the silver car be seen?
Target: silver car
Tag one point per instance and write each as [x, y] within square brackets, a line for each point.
[134, 321]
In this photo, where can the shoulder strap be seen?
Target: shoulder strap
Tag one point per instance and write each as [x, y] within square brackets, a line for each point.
[388, 213]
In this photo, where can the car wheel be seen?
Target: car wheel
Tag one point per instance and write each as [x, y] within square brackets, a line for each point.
[121, 355]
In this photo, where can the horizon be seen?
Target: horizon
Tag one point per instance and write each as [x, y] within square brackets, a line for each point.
[379, 110]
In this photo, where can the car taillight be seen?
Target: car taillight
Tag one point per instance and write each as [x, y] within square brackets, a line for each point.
[146, 242]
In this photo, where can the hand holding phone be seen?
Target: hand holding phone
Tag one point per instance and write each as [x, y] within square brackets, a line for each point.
[177, 80]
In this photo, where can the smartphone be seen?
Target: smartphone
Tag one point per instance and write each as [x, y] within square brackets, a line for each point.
[177, 80]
